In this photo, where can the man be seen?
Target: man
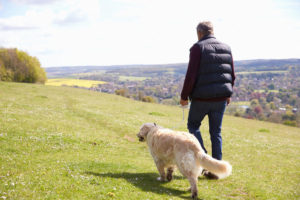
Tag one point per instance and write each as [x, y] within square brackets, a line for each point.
[209, 85]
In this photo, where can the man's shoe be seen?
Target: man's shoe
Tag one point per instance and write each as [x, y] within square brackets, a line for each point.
[209, 175]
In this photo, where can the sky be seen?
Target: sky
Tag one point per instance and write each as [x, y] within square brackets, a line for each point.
[123, 32]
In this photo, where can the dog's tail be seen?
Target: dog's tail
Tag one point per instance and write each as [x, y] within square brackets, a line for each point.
[218, 167]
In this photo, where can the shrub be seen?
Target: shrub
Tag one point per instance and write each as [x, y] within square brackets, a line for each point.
[148, 99]
[290, 123]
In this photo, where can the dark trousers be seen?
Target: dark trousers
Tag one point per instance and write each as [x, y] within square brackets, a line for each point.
[215, 112]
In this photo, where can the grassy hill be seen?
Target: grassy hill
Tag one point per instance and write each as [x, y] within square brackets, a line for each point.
[66, 143]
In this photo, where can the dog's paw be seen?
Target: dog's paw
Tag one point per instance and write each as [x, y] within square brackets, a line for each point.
[210, 175]
[170, 174]
[160, 179]
[169, 177]
[195, 195]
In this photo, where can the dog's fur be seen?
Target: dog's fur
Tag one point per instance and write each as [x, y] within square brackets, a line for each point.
[171, 148]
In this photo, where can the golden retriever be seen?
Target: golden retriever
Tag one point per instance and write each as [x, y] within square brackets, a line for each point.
[172, 148]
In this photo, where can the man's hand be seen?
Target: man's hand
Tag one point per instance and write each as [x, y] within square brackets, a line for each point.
[184, 102]
[228, 101]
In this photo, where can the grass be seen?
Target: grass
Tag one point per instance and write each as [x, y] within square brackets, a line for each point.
[132, 78]
[68, 143]
[264, 130]
[73, 82]
[156, 113]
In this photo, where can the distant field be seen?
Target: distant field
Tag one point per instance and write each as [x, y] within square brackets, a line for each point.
[132, 78]
[98, 72]
[73, 82]
[241, 103]
[275, 91]
[263, 72]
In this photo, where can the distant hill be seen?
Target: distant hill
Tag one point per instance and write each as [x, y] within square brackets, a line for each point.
[267, 62]
[240, 65]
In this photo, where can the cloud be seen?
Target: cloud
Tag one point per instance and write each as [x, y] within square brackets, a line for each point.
[45, 52]
[34, 2]
[4, 27]
[30, 21]
[63, 13]
[70, 18]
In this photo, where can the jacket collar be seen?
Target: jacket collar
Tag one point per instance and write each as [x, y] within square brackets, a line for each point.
[207, 37]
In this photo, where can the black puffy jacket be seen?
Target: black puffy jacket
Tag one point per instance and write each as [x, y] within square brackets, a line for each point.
[214, 77]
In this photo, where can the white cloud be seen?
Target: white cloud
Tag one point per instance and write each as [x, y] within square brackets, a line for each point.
[70, 18]
[34, 2]
[67, 12]
[29, 21]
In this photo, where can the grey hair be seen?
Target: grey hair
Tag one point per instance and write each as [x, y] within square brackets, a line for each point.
[205, 28]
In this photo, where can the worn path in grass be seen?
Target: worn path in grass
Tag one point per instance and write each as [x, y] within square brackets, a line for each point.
[67, 143]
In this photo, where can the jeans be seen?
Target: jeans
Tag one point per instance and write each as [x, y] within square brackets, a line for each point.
[215, 112]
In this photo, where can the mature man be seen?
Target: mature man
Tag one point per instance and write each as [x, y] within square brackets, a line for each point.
[208, 84]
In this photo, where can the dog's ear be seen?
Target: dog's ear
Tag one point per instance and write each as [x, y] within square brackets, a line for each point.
[154, 124]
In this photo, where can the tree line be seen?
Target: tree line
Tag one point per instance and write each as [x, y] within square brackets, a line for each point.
[18, 66]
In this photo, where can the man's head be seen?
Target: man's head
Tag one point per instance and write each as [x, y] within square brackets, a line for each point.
[204, 28]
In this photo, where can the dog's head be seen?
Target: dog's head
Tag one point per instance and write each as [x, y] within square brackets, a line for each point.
[142, 135]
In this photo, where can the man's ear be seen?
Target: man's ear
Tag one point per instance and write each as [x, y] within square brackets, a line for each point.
[154, 124]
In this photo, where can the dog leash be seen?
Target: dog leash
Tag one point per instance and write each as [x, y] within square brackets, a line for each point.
[182, 107]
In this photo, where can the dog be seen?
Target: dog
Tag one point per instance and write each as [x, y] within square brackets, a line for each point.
[172, 148]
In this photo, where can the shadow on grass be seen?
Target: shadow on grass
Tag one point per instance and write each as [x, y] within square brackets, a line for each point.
[146, 182]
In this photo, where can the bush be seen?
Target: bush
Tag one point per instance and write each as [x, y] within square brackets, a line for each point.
[290, 123]
[122, 92]
[148, 99]
[18, 66]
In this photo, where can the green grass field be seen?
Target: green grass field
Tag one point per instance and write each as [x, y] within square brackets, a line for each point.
[68, 143]
[73, 82]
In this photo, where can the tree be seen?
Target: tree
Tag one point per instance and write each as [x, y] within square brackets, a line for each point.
[271, 86]
[140, 95]
[254, 102]
[122, 92]
[258, 110]
[275, 117]
[272, 105]
[270, 96]
[18, 66]
[148, 99]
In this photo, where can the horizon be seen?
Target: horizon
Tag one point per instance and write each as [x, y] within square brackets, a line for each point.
[125, 32]
[154, 64]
